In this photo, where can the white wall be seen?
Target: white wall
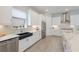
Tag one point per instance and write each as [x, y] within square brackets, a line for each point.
[48, 25]
[74, 19]
[56, 20]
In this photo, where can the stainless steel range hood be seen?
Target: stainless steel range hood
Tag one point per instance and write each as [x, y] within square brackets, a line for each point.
[65, 18]
[65, 21]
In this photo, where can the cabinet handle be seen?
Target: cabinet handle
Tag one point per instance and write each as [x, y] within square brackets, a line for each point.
[3, 43]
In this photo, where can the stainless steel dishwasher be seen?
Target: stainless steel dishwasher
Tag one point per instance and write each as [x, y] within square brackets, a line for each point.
[10, 45]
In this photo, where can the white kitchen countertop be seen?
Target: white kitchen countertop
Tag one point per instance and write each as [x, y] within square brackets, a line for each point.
[8, 36]
[13, 35]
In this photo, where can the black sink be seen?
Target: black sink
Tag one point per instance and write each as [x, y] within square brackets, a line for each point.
[24, 35]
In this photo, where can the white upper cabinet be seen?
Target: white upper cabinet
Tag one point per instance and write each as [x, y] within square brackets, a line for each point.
[34, 17]
[5, 15]
[18, 13]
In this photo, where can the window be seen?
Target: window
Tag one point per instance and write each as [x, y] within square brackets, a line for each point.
[19, 18]
[56, 20]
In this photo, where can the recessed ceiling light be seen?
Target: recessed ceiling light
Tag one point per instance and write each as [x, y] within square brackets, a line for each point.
[46, 10]
[66, 10]
[1, 26]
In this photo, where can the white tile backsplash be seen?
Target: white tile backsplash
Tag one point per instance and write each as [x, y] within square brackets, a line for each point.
[9, 30]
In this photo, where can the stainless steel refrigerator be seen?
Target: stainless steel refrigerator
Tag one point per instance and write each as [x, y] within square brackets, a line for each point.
[43, 29]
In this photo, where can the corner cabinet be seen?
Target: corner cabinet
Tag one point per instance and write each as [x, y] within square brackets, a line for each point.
[5, 15]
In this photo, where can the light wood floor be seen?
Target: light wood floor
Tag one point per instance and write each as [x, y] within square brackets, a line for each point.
[49, 44]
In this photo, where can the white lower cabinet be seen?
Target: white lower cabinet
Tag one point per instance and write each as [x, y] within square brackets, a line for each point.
[23, 44]
[29, 41]
[36, 37]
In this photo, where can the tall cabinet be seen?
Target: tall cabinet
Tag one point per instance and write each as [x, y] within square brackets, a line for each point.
[5, 15]
[34, 17]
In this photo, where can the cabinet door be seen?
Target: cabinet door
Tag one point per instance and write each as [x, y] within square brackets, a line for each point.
[31, 41]
[23, 44]
[34, 17]
[12, 45]
[35, 37]
[3, 46]
[5, 15]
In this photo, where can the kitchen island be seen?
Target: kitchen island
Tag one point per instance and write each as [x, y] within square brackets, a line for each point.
[71, 41]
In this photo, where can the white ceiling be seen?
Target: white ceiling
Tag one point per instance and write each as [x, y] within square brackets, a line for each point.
[55, 9]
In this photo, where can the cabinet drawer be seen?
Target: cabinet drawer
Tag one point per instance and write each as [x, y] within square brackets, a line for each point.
[3, 46]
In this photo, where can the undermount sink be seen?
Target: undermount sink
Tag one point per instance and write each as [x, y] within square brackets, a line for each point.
[24, 35]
